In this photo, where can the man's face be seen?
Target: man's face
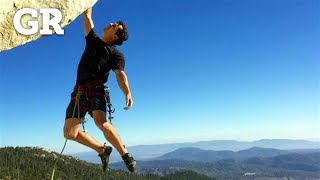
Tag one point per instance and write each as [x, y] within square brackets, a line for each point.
[109, 32]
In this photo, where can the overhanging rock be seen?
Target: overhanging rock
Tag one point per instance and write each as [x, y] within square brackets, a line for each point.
[10, 38]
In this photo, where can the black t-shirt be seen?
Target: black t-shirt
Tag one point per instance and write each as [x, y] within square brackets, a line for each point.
[98, 59]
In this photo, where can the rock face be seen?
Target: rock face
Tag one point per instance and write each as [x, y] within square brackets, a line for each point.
[10, 38]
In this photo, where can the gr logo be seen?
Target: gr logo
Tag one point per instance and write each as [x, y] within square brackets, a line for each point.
[34, 24]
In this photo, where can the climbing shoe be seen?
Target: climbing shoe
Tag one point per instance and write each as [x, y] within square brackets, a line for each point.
[129, 161]
[105, 156]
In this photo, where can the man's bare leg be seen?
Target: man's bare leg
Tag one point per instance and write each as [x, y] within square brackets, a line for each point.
[109, 131]
[72, 132]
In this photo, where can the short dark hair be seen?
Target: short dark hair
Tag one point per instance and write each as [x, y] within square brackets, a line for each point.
[121, 33]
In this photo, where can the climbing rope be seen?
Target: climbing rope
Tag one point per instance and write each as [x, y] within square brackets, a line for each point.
[79, 93]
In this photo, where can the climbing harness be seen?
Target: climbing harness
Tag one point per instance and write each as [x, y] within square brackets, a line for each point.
[110, 110]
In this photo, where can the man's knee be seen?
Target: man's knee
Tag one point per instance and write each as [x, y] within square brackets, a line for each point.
[100, 119]
[70, 130]
[70, 134]
[102, 125]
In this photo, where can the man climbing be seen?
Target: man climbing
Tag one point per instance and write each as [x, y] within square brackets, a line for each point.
[99, 57]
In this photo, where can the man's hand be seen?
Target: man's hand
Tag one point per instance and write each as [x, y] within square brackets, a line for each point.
[129, 102]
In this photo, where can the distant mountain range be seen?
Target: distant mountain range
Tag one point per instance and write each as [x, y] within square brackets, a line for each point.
[145, 152]
[292, 161]
[197, 154]
[304, 162]
[287, 166]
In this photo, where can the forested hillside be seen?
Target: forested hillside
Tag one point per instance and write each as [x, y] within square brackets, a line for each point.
[30, 163]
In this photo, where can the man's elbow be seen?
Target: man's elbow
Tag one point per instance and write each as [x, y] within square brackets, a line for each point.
[120, 77]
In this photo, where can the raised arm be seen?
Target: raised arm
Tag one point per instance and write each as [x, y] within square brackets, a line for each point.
[87, 21]
[124, 86]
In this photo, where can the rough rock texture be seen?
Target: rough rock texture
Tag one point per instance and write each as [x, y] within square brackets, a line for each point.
[10, 38]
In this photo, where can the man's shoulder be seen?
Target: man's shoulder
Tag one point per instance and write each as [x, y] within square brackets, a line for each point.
[92, 33]
[92, 39]
[116, 52]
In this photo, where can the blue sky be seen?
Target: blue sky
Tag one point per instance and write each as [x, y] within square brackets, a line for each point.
[198, 70]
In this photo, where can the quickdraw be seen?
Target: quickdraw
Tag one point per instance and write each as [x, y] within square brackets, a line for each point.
[110, 108]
